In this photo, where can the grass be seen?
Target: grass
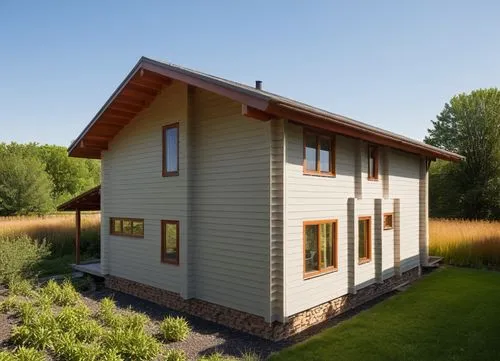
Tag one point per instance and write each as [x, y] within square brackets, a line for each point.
[59, 232]
[466, 243]
[451, 314]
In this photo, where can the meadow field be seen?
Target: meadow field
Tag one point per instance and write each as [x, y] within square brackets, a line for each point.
[466, 243]
[58, 230]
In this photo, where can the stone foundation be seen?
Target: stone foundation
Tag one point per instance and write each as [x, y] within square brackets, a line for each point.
[253, 324]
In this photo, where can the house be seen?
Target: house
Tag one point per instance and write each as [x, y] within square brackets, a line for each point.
[250, 209]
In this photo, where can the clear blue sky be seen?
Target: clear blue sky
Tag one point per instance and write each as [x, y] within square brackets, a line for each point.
[392, 64]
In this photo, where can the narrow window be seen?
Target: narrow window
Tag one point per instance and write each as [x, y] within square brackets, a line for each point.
[320, 247]
[170, 242]
[319, 154]
[372, 162]
[364, 239]
[131, 227]
[170, 150]
[387, 221]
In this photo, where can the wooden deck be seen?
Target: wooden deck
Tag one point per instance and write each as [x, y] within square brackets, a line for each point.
[93, 269]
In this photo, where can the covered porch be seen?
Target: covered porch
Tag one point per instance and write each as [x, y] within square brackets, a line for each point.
[87, 201]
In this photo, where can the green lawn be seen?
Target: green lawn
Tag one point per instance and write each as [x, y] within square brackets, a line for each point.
[451, 314]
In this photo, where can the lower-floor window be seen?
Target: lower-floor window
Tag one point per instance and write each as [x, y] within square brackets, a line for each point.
[170, 242]
[320, 247]
[127, 227]
[364, 239]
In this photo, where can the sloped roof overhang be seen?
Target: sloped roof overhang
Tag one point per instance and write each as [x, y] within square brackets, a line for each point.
[148, 77]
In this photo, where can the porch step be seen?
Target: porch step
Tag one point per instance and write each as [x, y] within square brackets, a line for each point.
[433, 262]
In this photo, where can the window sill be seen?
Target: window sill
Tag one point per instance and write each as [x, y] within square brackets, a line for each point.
[318, 174]
[308, 276]
[170, 174]
[373, 179]
[126, 235]
[173, 263]
[364, 261]
[387, 229]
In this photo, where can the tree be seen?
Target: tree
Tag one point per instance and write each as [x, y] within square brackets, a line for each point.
[24, 186]
[470, 125]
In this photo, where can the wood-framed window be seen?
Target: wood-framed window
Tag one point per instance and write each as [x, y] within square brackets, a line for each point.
[373, 160]
[130, 227]
[364, 239]
[170, 150]
[319, 154]
[170, 242]
[320, 247]
[388, 219]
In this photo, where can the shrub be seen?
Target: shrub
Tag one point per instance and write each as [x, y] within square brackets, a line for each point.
[71, 316]
[175, 355]
[10, 304]
[68, 348]
[107, 312]
[132, 344]
[20, 287]
[19, 257]
[62, 295]
[217, 356]
[29, 354]
[174, 328]
[6, 356]
[38, 331]
[131, 321]
[26, 311]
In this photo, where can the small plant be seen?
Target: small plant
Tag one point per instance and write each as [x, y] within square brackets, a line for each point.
[20, 287]
[71, 317]
[132, 321]
[175, 328]
[68, 348]
[7, 356]
[216, 356]
[10, 304]
[249, 356]
[89, 331]
[107, 312]
[29, 354]
[26, 311]
[175, 355]
[68, 295]
[132, 344]
[38, 331]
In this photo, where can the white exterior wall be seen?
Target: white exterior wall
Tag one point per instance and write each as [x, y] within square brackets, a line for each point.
[315, 198]
[231, 205]
[319, 198]
[404, 184]
[133, 187]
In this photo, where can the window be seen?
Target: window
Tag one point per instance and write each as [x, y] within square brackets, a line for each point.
[319, 154]
[170, 242]
[364, 239]
[320, 247]
[387, 221]
[170, 150]
[372, 162]
[131, 227]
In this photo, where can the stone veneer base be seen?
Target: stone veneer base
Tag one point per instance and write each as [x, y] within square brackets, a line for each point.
[253, 324]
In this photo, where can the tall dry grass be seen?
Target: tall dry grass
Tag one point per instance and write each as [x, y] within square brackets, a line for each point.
[57, 229]
[465, 243]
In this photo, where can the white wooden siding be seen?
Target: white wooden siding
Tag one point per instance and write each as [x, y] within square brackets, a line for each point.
[133, 186]
[404, 184]
[315, 198]
[231, 205]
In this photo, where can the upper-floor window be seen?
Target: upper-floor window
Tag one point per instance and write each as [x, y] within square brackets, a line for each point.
[132, 227]
[373, 162]
[320, 247]
[319, 154]
[170, 148]
[364, 239]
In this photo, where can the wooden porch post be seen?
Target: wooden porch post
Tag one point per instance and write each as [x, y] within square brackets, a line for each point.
[77, 239]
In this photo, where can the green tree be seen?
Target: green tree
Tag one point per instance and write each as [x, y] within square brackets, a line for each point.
[470, 125]
[24, 186]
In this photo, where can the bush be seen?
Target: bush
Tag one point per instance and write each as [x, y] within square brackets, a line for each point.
[132, 344]
[175, 355]
[217, 356]
[29, 354]
[175, 328]
[131, 321]
[107, 312]
[20, 287]
[68, 348]
[10, 304]
[39, 331]
[6, 356]
[61, 295]
[19, 257]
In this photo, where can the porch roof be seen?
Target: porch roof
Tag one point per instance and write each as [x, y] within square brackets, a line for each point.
[87, 201]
